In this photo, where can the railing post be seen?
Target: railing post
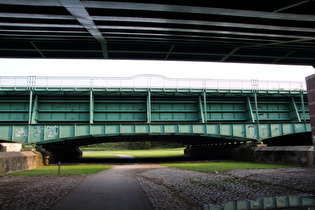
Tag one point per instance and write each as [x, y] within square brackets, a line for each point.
[31, 82]
[91, 82]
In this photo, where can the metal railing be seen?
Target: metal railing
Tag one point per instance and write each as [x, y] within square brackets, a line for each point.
[146, 81]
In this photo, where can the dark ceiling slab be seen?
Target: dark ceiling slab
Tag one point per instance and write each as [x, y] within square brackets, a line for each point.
[261, 31]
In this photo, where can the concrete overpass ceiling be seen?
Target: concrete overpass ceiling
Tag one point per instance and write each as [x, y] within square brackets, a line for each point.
[261, 31]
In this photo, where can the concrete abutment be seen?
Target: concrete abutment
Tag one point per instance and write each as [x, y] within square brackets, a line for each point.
[11, 162]
[291, 155]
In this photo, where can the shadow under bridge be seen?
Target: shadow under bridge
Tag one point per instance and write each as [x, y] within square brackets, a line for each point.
[66, 149]
[183, 138]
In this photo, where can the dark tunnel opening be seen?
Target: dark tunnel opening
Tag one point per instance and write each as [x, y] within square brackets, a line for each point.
[192, 148]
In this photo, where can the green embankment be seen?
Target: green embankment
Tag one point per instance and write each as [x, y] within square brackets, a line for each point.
[64, 170]
[222, 166]
[204, 166]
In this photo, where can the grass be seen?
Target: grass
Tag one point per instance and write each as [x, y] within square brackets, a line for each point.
[136, 153]
[206, 166]
[64, 170]
[222, 166]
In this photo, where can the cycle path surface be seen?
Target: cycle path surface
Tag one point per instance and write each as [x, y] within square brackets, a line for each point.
[116, 188]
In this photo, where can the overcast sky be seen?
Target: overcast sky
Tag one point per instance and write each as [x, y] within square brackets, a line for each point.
[173, 69]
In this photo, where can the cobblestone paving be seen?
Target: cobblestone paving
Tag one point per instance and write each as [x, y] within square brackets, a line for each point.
[34, 192]
[182, 189]
[167, 188]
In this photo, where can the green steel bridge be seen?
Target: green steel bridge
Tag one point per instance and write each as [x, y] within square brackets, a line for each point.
[80, 111]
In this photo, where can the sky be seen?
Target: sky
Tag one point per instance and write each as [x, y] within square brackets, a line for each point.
[172, 69]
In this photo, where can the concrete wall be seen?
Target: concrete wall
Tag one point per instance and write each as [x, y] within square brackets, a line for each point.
[19, 161]
[10, 147]
[295, 155]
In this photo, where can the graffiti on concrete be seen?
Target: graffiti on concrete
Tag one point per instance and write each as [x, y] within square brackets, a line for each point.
[52, 131]
[37, 131]
[21, 131]
[251, 132]
[264, 131]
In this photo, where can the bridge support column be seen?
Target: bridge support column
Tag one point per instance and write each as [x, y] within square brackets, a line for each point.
[62, 153]
[310, 82]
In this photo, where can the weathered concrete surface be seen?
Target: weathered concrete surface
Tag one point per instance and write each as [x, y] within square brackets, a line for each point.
[19, 161]
[295, 155]
[10, 147]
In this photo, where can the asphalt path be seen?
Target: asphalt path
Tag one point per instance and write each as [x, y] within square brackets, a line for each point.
[112, 189]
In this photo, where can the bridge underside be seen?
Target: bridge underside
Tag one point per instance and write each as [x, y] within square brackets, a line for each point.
[260, 31]
[186, 139]
[295, 139]
[196, 145]
[199, 146]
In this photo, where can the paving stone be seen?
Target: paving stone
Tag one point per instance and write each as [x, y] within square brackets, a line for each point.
[197, 189]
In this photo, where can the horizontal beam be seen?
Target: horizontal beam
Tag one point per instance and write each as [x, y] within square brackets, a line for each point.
[168, 8]
[154, 21]
[63, 132]
[195, 10]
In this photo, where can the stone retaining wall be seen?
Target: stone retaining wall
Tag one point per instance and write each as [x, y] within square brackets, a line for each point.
[19, 161]
[295, 155]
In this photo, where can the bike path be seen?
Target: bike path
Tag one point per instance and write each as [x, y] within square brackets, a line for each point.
[112, 189]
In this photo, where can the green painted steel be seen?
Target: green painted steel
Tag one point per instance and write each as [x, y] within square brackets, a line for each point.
[151, 105]
[37, 115]
[234, 131]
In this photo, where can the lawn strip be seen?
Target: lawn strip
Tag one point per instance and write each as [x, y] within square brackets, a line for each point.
[64, 170]
[222, 166]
